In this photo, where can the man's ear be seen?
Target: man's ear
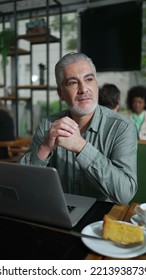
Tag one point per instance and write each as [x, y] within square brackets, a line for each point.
[117, 108]
[60, 94]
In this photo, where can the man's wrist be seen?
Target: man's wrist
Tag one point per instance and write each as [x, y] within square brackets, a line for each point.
[81, 145]
[43, 152]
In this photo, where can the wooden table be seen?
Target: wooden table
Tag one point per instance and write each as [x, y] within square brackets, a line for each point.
[122, 213]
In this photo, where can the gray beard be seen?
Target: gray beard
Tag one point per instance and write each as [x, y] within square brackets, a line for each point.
[83, 112]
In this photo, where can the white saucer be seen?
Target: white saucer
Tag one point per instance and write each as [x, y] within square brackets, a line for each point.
[135, 219]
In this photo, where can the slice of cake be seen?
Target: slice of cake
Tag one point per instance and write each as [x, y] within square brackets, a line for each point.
[121, 232]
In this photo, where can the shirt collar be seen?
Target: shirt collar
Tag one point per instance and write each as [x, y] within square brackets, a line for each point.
[140, 117]
[95, 120]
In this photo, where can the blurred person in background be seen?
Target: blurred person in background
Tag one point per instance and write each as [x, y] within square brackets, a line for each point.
[6, 129]
[109, 96]
[136, 103]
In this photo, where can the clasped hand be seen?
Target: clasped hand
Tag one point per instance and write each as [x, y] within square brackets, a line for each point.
[66, 134]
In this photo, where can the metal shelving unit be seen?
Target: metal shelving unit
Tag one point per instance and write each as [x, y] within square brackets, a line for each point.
[33, 39]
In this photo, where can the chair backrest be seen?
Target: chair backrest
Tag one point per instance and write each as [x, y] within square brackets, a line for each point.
[140, 196]
[16, 148]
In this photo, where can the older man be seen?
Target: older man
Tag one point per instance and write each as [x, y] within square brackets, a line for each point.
[93, 148]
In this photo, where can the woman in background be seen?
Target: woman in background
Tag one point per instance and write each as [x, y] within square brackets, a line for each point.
[136, 102]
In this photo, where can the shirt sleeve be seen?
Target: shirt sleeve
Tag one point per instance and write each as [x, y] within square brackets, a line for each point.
[115, 175]
[31, 158]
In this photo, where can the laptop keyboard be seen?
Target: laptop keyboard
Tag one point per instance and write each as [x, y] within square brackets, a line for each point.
[70, 208]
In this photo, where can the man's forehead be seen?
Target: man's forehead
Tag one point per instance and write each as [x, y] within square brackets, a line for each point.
[79, 62]
[80, 67]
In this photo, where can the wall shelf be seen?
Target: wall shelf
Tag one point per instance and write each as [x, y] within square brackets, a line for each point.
[13, 98]
[37, 87]
[39, 38]
[19, 52]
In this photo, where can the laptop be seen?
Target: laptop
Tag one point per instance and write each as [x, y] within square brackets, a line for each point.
[35, 194]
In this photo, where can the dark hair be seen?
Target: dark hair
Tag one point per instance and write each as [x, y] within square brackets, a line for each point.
[109, 96]
[136, 91]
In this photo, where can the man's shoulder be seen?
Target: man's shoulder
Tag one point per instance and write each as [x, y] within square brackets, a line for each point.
[111, 115]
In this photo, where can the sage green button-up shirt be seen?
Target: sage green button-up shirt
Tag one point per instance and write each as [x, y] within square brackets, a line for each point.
[106, 167]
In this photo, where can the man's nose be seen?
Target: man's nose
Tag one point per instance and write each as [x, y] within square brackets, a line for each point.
[82, 88]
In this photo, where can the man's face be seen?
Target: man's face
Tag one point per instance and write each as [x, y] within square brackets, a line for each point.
[138, 105]
[79, 88]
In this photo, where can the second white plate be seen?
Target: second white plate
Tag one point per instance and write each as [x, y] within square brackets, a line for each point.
[135, 219]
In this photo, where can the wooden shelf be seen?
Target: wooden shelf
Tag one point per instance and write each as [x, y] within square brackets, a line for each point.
[39, 38]
[37, 87]
[19, 52]
[1, 86]
[13, 98]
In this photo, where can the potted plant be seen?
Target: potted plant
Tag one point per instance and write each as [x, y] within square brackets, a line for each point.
[6, 41]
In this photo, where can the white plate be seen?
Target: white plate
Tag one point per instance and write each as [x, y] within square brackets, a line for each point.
[108, 248]
[135, 219]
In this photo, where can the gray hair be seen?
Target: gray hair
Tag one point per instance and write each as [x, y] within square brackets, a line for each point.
[69, 59]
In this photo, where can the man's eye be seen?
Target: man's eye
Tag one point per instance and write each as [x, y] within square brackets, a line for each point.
[71, 83]
[90, 79]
